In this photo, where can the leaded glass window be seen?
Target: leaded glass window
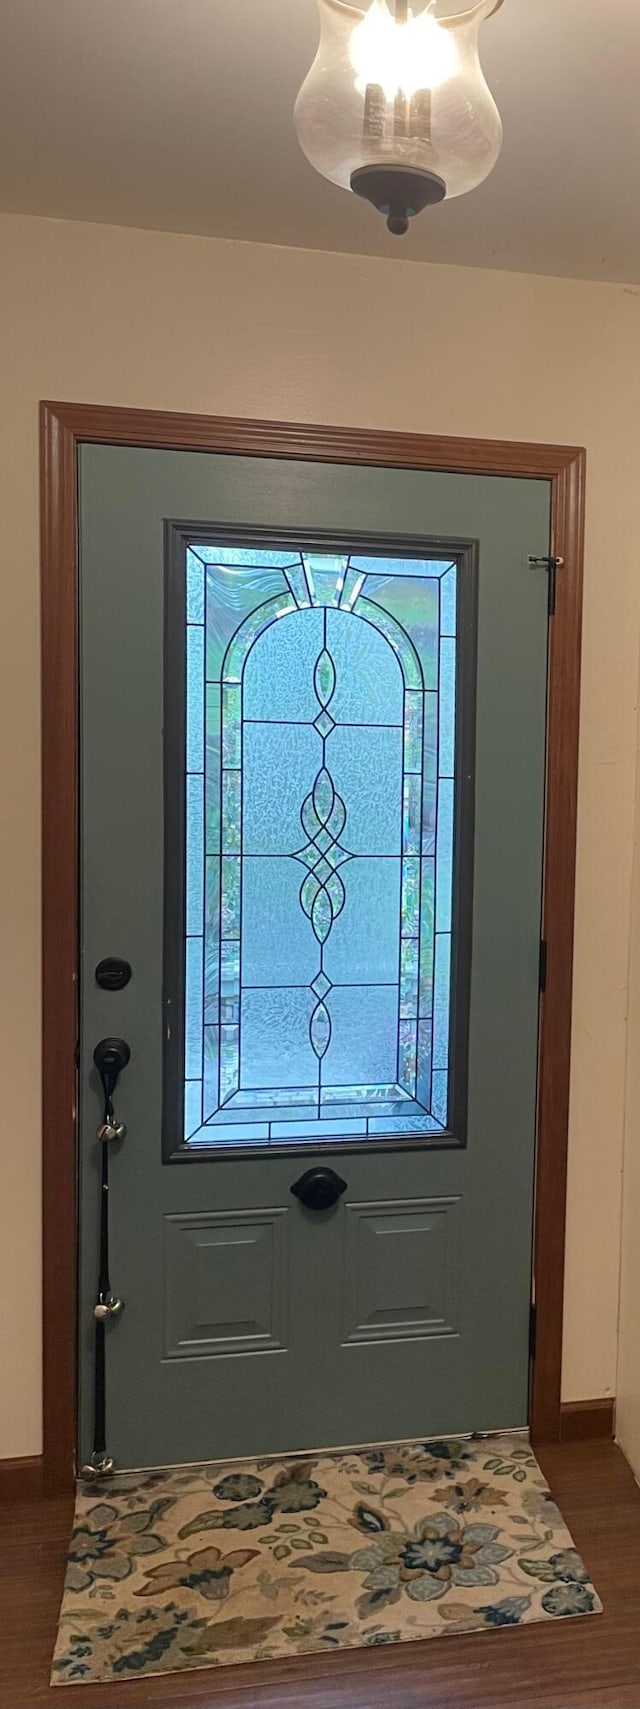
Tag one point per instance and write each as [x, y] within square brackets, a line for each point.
[319, 845]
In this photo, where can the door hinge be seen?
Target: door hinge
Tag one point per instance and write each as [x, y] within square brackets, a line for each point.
[532, 1330]
[542, 968]
[551, 565]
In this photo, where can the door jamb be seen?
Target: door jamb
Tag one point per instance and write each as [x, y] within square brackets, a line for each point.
[64, 427]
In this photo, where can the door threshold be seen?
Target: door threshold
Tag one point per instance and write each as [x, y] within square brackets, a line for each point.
[318, 1453]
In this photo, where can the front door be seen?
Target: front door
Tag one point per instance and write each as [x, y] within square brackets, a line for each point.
[312, 789]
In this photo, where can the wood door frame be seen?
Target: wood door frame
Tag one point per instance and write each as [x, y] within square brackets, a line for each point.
[64, 427]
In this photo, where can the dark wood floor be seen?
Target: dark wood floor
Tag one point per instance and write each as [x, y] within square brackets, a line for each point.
[569, 1664]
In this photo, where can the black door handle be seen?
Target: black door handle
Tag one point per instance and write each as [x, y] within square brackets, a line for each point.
[111, 1055]
[319, 1189]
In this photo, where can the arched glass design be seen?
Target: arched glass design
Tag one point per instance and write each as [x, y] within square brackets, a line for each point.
[320, 781]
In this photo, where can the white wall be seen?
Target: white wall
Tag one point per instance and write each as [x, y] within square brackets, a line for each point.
[141, 318]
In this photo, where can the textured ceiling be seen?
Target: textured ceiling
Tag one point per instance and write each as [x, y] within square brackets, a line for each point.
[177, 114]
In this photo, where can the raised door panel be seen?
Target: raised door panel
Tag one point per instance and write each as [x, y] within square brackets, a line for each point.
[226, 1283]
[400, 1269]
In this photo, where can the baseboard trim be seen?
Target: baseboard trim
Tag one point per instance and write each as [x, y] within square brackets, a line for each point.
[580, 1421]
[587, 1420]
[21, 1480]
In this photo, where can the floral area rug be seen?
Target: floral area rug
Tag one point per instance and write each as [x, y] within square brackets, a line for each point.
[203, 1567]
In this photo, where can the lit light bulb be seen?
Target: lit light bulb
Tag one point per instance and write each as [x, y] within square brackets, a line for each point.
[401, 58]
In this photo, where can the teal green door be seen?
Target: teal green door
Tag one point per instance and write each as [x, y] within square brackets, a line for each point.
[312, 788]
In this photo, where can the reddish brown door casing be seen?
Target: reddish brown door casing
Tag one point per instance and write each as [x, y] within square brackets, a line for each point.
[64, 426]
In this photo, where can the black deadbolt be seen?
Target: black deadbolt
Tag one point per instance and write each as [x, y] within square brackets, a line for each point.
[113, 973]
[319, 1189]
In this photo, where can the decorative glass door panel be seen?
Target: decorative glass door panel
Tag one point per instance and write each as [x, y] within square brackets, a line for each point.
[320, 772]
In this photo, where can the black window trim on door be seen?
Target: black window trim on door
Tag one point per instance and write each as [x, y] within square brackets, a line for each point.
[179, 536]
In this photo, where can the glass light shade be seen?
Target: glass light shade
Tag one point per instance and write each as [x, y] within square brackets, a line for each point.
[396, 106]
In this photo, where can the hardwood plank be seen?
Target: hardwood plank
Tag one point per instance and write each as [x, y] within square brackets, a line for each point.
[568, 1664]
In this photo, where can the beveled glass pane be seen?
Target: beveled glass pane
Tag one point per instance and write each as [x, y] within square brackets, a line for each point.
[325, 577]
[229, 1061]
[439, 1097]
[230, 981]
[409, 969]
[297, 581]
[195, 854]
[230, 1133]
[426, 569]
[230, 897]
[192, 1107]
[447, 707]
[413, 732]
[448, 602]
[231, 811]
[427, 937]
[429, 815]
[407, 1055]
[353, 584]
[410, 911]
[423, 1080]
[212, 940]
[379, 618]
[196, 574]
[213, 768]
[441, 989]
[250, 558]
[195, 698]
[255, 624]
[444, 861]
[411, 818]
[430, 750]
[404, 1125]
[231, 724]
[210, 1089]
[193, 1009]
[292, 1131]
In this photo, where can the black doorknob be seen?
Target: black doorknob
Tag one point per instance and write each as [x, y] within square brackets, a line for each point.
[319, 1189]
[111, 1055]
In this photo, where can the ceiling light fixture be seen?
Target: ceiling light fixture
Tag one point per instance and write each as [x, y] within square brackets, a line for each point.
[396, 107]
